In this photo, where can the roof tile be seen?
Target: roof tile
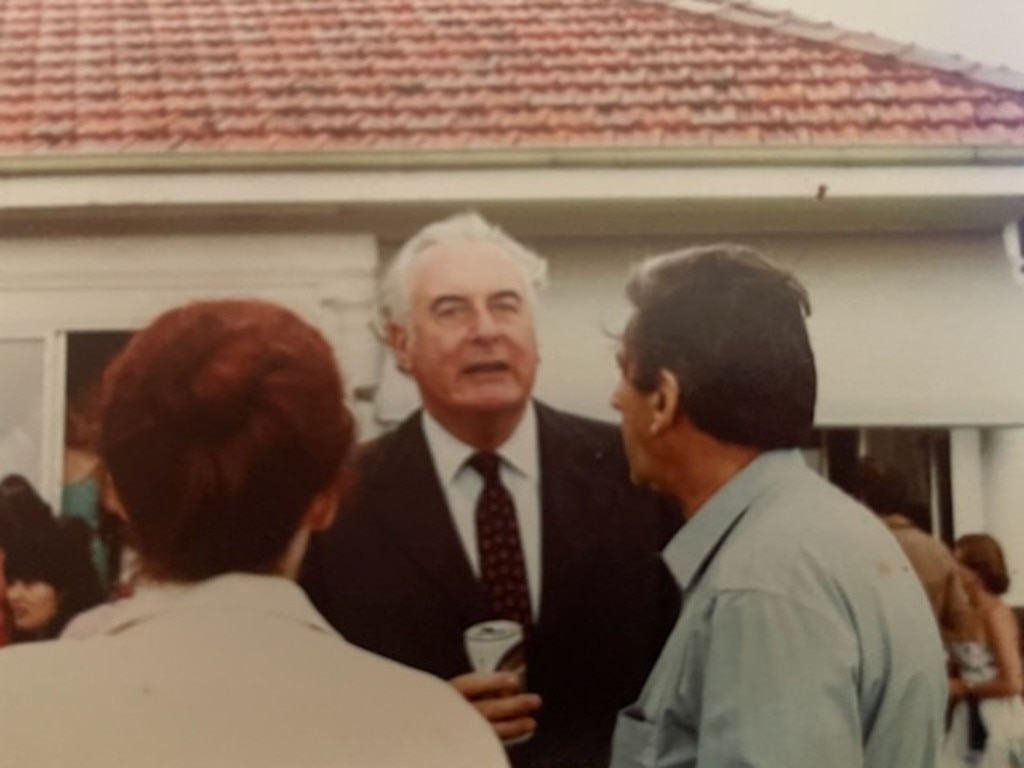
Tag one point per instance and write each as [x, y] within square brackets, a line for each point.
[283, 75]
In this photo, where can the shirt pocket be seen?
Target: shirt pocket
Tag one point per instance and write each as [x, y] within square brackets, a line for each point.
[635, 742]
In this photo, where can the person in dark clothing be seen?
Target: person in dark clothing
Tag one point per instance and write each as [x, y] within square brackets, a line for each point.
[49, 578]
[405, 569]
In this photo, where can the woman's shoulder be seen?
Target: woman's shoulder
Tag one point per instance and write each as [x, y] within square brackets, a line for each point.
[998, 619]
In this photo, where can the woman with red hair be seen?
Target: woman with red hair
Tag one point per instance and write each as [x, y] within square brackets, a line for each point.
[224, 430]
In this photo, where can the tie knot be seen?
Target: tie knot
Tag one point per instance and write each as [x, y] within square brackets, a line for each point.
[487, 464]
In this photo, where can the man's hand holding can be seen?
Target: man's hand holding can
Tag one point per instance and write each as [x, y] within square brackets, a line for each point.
[497, 686]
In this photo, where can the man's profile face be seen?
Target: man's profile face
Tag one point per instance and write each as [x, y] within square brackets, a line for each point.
[636, 416]
[470, 342]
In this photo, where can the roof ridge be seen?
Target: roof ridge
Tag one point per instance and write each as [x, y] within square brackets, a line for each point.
[754, 14]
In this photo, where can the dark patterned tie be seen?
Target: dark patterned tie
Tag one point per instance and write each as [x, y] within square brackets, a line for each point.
[502, 570]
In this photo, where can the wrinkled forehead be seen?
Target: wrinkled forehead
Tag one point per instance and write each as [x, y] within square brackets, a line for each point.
[465, 268]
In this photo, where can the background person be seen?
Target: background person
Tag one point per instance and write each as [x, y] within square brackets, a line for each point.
[46, 573]
[20, 506]
[989, 676]
[96, 620]
[49, 578]
[883, 490]
[80, 492]
[402, 572]
[22, 510]
[805, 638]
[224, 431]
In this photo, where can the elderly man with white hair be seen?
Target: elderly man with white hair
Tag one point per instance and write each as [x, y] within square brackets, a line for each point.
[486, 504]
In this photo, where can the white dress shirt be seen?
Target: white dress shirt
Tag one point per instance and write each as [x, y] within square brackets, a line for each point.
[520, 473]
[238, 671]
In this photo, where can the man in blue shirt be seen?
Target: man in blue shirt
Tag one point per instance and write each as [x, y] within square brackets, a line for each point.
[805, 638]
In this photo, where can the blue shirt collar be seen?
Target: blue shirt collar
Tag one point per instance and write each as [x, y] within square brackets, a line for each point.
[696, 542]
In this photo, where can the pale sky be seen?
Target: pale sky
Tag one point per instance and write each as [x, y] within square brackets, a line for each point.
[988, 31]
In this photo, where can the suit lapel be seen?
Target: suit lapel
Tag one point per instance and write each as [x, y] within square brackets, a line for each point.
[411, 504]
[571, 466]
[413, 507]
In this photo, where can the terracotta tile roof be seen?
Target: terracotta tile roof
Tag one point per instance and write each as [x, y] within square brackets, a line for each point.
[157, 76]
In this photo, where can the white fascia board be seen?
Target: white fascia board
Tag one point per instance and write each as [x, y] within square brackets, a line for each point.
[508, 186]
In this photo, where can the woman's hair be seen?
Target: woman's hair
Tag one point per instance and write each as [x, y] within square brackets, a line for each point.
[220, 423]
[56, 553]
[22, 509]
[983, 555]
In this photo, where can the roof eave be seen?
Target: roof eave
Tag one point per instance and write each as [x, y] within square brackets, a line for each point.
[519, 157]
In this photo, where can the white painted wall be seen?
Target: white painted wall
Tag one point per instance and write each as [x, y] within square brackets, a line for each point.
[49, 286]
[916, 330]
[22, 368]
[910, 329]
[968, 480]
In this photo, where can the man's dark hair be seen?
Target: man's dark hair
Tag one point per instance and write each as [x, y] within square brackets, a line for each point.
[730, 326]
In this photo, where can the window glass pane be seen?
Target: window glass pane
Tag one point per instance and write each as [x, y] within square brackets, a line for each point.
[21, 401]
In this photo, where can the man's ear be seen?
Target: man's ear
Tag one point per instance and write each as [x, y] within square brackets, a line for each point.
[664, 402]
[400, 341]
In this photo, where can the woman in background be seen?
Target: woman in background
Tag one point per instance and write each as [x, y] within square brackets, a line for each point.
[22, 510]
[81, 491]
[987, 727]
[49, 579]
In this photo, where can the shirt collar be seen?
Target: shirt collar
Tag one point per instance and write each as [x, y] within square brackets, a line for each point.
[450, 454]
[696, 542]
[229, 592]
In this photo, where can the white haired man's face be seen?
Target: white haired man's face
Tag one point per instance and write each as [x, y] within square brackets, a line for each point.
[469, 340]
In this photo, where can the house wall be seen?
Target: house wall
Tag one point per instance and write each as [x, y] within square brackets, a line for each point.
[908, 329]
[50, 286]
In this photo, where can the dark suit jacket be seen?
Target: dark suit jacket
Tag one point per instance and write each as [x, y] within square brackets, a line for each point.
[391, 575]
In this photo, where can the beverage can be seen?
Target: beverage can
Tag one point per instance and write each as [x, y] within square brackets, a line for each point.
[496, 646]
